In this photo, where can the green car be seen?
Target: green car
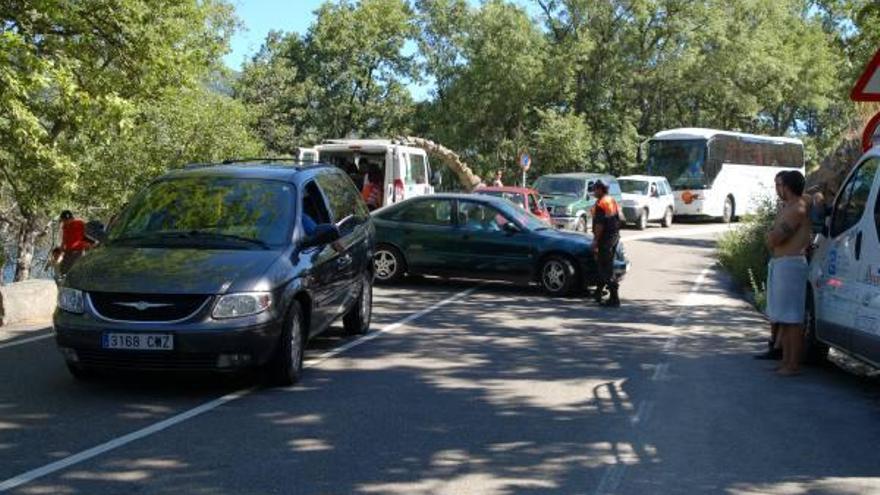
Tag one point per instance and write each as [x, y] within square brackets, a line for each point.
[569, 198]
[477, 236]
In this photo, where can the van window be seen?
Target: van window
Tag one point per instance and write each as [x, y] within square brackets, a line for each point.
[417, 172]
[314, 205]
[853, 199]
[341, 194]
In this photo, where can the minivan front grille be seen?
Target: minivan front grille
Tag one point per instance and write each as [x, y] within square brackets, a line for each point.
[146, 307]
[147, 361]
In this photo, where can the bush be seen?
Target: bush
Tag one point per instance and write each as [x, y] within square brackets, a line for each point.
[743, 252]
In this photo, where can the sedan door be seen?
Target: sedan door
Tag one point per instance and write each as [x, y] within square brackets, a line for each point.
[426, 235]
[486, 249]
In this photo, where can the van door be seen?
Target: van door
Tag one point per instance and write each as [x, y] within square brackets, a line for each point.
[841, 289]
[346, 211]
[866, 326]
[323, 259]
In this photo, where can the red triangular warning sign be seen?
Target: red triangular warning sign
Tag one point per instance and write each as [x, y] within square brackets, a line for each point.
[867, 88]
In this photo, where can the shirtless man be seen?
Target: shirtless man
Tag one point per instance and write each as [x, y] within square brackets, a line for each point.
[788, 241]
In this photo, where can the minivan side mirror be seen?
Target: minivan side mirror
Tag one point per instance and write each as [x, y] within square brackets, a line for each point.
[325, 233]
[436, 178]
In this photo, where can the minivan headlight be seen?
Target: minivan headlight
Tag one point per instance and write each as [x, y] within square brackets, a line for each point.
[244, 304]
[70, 300]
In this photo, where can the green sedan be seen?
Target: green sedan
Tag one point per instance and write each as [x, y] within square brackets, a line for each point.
[477, 236]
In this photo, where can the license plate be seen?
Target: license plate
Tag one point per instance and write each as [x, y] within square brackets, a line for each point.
[139, 341]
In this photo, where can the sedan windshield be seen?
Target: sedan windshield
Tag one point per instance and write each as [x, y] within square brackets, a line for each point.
[522, 217]
[515, 198]
[632, 186]
[209, 210]
[682, 162]
[559, 186]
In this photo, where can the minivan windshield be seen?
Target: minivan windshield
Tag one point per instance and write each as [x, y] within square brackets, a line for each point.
[632, 186]
[231, 212]
[560, 186]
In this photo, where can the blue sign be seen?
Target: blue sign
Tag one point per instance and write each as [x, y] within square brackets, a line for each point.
[525, 160]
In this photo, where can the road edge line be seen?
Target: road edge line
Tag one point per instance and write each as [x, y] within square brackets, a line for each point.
[59, 465]
[16, 342]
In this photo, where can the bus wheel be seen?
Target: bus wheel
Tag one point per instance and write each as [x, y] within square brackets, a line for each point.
[729, 210]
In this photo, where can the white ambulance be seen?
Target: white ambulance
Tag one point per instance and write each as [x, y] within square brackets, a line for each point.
[843, 297]
[405, 170]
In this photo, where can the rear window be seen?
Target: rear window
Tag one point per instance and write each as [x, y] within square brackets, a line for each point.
[417, 172]
[515, 198]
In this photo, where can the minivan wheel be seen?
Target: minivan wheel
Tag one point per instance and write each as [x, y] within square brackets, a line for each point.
[81, 374]
[357, 320]
[558, 276]
[668, 218]
[286, 367]
[388, 264]
[643, 220]
[815, 352]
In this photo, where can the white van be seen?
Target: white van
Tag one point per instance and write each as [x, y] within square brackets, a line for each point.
[843, 297]
[406, 170]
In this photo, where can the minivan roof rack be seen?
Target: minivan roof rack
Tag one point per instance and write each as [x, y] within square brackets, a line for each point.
[232, 161]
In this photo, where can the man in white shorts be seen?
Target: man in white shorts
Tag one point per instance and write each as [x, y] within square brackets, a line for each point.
[788, 241]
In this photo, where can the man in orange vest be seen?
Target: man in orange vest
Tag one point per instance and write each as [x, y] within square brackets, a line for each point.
[606, 235]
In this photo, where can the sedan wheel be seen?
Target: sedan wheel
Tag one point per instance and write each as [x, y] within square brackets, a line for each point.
[557, 276]
[388, 264]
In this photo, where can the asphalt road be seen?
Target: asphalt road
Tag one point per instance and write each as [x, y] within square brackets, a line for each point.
[471, 389]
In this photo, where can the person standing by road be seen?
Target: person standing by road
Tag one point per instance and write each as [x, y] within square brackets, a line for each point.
[788, 241]
[774, 345]
[372, 191]
[606, 235]
[498, 176]
[73, 242]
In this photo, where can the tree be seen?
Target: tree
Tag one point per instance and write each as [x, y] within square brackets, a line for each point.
[345, 77]
[182, 126]
[76, 69]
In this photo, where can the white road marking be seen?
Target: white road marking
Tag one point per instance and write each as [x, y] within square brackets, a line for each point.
[613, 476]
[710, 229]
[26, 341]
[154, 428]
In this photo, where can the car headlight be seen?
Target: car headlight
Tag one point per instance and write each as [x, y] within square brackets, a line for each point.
[70, 300]
[244, 304]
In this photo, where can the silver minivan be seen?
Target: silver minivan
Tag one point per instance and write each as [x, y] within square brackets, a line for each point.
[843, 299]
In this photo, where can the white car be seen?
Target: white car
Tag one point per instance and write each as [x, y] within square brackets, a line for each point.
[843, 294]
[647, 199]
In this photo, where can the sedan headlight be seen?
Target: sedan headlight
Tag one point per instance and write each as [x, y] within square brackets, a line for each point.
[70, 300]
[244, 304]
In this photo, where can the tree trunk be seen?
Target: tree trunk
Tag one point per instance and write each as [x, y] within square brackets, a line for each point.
[26, 242]
[451, 159]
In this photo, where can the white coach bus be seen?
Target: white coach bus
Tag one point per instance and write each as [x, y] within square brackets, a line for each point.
[721, 174]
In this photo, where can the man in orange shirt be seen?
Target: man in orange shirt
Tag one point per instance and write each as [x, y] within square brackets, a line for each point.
[73, 242]
[372, 191]
[606, 235]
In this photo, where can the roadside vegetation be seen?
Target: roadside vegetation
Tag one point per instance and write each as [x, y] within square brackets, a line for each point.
[99, 97]
[743, 252]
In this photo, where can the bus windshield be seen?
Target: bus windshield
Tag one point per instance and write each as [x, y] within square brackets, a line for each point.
[681, 161]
